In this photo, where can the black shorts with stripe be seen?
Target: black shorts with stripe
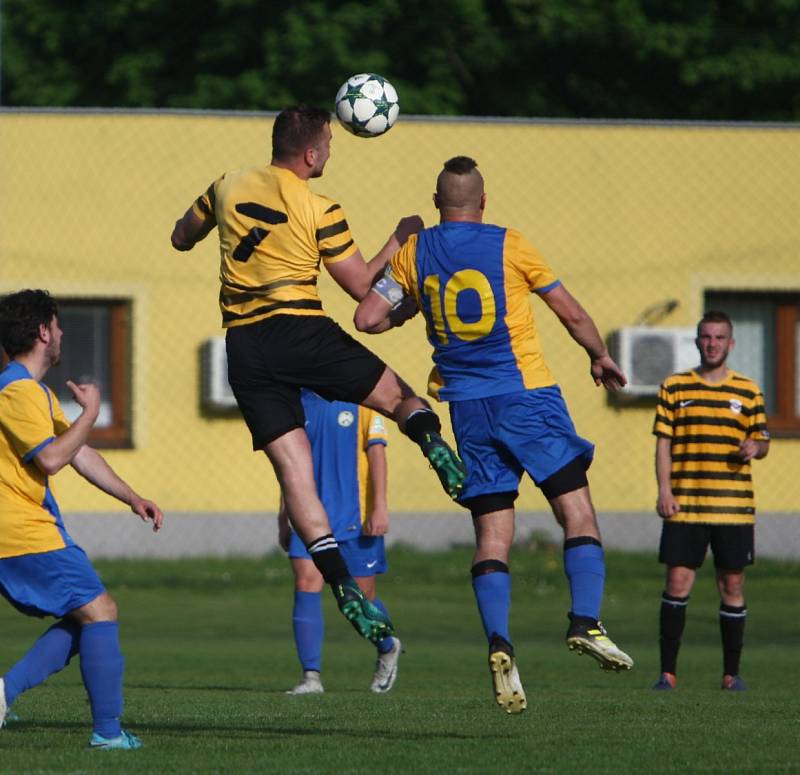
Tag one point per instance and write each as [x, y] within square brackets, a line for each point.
[269, 361]
[686, 544]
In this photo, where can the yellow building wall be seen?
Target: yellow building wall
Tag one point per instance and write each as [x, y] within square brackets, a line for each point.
[628, 215]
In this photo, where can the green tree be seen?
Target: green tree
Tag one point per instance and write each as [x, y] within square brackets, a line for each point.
[644, 59]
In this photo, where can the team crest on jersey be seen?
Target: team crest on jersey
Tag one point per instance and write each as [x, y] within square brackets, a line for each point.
[345, 418]
[736, 405]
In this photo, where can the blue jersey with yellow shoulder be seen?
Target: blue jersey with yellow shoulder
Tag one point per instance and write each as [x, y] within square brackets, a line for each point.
[30, 419]
[472, 282]
[340, 434]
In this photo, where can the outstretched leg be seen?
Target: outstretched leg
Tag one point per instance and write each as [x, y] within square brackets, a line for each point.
[392, 397]
[290, 455]
[584, 565]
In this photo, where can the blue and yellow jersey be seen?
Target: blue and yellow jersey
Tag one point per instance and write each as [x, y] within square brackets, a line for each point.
[706, 422]
[274, 231]
[472, 282]
[340, 434]
[30, 419]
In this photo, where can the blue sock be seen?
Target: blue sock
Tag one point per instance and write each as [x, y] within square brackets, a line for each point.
[309, 629]
[102, 665]
[491, 583]
[585, 568]
[51, 653]
[384, 644]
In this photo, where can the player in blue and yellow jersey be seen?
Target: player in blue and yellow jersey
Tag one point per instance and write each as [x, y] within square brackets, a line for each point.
[710, 424]
[472, 282]
[42, 571]
[348, 444]
[274, 233]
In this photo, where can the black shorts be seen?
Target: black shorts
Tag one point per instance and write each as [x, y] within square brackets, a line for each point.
[269, 361]
[686, 543]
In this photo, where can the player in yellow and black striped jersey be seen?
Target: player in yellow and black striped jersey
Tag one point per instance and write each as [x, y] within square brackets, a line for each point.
[274, 233]
[710, 424]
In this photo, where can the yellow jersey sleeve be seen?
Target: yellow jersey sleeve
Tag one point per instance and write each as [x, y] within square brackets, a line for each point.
[334, 240]
[376, 429]
[203, 206]
[27, 417]
[403, 267]
[665, 413]
[539, 276]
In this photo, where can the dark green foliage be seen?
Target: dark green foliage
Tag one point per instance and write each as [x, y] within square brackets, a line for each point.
[543, 58]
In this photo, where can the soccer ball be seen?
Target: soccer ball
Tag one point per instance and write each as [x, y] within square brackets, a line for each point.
[367, 105]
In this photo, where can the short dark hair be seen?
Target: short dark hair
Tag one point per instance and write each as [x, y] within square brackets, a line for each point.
[460, 165]
[715, 316]
[21, 314]
[297, 128]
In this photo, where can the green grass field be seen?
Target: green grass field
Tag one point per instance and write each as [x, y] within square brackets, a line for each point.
[209, 656]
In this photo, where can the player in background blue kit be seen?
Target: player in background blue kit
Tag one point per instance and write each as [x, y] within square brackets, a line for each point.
[472, 282]
[348, 445]
[42, 571]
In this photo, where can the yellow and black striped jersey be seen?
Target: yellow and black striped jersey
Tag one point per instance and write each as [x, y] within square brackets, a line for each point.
[706, 422]
[273, 233]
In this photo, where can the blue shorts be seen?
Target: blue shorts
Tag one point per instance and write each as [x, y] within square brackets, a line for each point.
[364, 556]
[503, 436]
[50, 583]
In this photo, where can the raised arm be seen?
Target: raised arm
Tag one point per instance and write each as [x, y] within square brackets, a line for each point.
[582, 329]
[190, 229]
[356, 276]
[63, 449]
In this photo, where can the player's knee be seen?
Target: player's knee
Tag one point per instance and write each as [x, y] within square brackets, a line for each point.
[488, 504]
[567, 479]
[102, 609]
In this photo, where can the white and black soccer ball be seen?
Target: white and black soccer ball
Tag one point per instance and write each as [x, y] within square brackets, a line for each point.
[367, 105]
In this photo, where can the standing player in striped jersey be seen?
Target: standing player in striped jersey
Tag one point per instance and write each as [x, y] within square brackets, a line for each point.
[710, 423]
[473, 282]
[348, 444]
[274, 233]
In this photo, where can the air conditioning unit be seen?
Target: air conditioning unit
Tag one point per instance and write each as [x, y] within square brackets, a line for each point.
[216, 392]
[647, 355]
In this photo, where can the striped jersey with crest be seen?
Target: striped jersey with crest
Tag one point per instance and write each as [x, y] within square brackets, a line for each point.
[273, 231]
[706, 422]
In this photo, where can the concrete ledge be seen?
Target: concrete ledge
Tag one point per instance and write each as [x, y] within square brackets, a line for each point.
[203, 534]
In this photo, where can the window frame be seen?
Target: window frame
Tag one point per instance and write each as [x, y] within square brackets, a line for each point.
[118, 434]
[785, 419]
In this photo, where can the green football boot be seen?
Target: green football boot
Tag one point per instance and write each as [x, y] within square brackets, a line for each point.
[448, 466]
[368, 620]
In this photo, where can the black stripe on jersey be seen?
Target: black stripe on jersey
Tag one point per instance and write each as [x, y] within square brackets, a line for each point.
[227, 317]
[332, 230]
[269, 286]
[699, 386]
[727, 476]
[670, 406]
[333, 207]
[695, 509]
[706, 457]
[704, 492]
[705, 438]
[700, 419]
[261, 213]
[261, 290]
[201, 204]
[331, 252]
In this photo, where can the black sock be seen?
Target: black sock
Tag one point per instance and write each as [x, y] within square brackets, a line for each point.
[325, 553]
[731, 627]
[672, 622]
[420, 422]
